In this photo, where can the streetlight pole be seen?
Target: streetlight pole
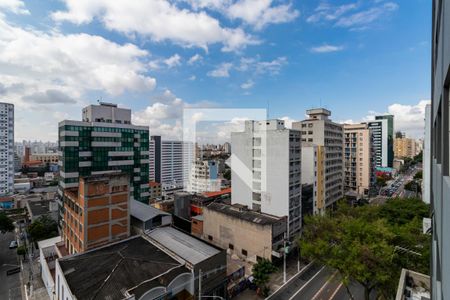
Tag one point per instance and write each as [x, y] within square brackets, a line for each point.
[284, 259]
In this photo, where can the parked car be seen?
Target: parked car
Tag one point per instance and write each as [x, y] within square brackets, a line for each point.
[13, 245]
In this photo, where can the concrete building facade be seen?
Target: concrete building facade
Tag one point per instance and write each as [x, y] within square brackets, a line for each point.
[319, 130]
[358, 159]
[6, 149]
[313, 173]
[426, 173]
[405, 147]
[440, 151]
[266, 170]
[97, 213]
[248, 234]
[204, 177]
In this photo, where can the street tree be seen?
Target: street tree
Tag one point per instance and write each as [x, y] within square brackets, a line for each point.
[6, 224]
[261, 271]
[362, 243]
[43, 228]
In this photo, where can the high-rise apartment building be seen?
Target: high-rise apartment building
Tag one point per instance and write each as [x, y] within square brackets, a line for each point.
[440, 151]
[319, 130]
[313, 173]
[405, 147]
[390, 138]
[6, 149]
[266, 170]
[97, 212]
[170, 161]
[380, 140]
[104, 142]
[358, 159]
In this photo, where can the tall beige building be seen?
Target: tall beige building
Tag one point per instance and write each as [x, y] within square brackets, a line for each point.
[358, 154]
[319, 130]
[405, 147]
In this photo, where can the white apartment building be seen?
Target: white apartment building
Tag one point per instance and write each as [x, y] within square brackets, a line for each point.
[204, 177]
[380, 142]
[266, 170]
[170, 161]
[6, 149]
[319, 130]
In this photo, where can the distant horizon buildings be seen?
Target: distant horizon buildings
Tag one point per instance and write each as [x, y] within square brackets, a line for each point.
[6, 149]
[170, 161]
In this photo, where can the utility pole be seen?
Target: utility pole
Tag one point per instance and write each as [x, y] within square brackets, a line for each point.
[199, 283]
[284, 259]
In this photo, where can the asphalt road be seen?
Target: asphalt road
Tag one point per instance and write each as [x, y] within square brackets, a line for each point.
[9, 285]
[317, 283]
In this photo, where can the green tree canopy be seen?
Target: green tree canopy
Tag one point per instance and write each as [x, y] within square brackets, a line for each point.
[43, 228]
[6, 224]
[361, 243]
[418, 175]
[261, 272]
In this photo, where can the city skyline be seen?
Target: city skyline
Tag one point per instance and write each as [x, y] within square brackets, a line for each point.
[57, 57]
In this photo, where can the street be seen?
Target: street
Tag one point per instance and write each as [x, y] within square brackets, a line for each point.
[10, 285]
[317, 283]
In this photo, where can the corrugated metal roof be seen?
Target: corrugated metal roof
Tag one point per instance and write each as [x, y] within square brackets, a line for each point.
[186, 246]
[144, 212]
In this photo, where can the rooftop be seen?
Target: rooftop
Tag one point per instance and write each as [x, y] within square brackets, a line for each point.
[144, 212]
[184, 245]
[219, 193]
[39, 208]
[242, 212]
[119, 269]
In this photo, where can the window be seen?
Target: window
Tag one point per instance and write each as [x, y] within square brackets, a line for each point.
[210, 237]
[244, 252]
[231, 246]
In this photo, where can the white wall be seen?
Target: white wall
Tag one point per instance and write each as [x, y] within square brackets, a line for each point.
[61, 286]
[427, 157]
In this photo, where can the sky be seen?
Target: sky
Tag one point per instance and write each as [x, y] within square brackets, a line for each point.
[356, 58]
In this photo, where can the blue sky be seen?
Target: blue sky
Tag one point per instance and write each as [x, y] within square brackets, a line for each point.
[356, 58]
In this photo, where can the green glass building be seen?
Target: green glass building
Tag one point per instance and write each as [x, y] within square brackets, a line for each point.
[390, 136]
[104, 142]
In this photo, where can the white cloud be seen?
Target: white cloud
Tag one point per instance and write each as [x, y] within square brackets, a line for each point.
[262, 67]
[192, 78]
[164, 115]
[195, 58]
[326, 48]
[326, 12]
[363, 18]
[288, 121]
[173, 61]
[158, 19]
[355, 16]
[247, 85]
[221, 71]
[14, 6]
[261, 13]
[73, 64]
